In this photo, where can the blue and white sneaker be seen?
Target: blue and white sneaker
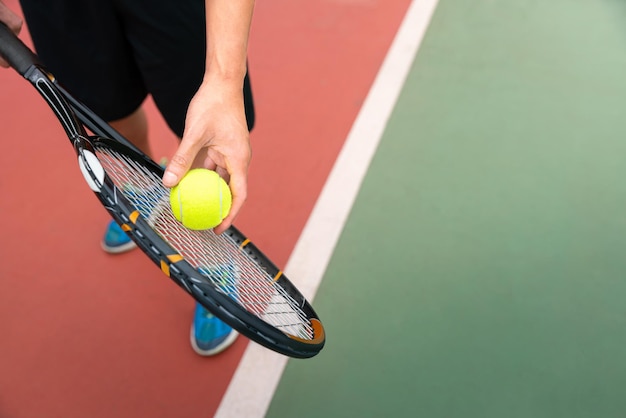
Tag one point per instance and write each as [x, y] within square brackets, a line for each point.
[209, 335]
[115, 240]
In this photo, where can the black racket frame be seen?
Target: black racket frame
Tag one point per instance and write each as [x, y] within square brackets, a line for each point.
[74, 115]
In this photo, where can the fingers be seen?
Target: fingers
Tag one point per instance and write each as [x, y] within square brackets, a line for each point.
[238, 187]
[223, 173]
[186, 157]
[13, 22]
[9, 18]
[181, 162]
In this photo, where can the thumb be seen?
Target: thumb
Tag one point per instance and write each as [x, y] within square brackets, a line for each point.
[180, 164]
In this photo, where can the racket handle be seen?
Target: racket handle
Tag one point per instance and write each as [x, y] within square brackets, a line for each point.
[13, 50]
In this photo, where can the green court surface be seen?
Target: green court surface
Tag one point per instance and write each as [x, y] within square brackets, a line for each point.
[481, 272]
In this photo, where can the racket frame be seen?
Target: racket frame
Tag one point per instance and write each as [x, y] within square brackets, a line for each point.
[74, 116]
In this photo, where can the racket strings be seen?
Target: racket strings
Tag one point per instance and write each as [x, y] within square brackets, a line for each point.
[232, 270]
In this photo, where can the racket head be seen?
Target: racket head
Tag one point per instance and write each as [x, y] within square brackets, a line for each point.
[225, 273]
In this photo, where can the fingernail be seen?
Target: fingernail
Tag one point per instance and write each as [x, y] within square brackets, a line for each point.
[169, 178]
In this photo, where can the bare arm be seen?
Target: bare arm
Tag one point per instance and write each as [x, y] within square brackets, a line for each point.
[216, 134]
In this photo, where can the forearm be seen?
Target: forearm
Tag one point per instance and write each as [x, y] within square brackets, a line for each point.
[228, 27]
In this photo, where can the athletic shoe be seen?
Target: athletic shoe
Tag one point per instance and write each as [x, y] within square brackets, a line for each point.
[115, 240]
[209, 335]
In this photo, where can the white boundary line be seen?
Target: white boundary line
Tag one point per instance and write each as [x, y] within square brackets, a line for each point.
[255, 380]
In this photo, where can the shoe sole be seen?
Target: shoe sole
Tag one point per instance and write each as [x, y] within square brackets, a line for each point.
[118, 249]
[223, 346]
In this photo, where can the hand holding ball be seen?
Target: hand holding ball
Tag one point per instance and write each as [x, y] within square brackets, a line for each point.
[201, 200]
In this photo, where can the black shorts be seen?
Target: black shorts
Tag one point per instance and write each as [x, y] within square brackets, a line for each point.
[111, 54]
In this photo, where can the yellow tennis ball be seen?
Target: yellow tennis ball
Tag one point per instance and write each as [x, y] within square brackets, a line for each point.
[201, 200]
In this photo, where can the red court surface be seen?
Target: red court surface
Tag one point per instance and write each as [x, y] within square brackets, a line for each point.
[86, 334]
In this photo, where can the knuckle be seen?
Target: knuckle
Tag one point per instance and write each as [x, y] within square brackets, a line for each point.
[180, 160]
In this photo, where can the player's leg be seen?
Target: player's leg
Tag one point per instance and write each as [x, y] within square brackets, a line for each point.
[134, 127]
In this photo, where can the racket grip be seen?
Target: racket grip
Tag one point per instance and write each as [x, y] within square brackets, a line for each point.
[13, 50]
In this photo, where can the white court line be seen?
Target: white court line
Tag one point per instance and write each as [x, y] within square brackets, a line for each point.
[255, 380]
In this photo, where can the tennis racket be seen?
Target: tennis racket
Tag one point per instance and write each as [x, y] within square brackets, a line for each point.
[225, 273]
